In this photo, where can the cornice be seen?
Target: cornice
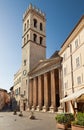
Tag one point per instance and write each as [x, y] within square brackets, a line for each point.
[33, 43]
[42, 71]
[36, 12]
[72, 35]
[36, 31]
[56, 63]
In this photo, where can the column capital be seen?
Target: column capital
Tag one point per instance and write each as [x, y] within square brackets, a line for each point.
[45, 75]
[52, 71]
[39, 77]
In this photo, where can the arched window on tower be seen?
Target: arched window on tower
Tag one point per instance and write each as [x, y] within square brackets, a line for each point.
[24, 62]
[24, 40]
[27, 23]
[41, 26]
[34, 37]
[25, 27]
[35, 23]
[41, 40]
[27, 37]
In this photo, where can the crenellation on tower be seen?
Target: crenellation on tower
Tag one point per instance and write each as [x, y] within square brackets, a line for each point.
[34, 26]
[35, 10]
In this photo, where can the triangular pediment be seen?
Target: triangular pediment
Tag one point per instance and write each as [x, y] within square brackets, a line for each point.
[44, 64]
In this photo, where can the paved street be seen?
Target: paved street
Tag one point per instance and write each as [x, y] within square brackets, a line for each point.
[43, 121]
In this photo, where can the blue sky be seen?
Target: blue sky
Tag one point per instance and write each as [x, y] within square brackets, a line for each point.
[61, 15]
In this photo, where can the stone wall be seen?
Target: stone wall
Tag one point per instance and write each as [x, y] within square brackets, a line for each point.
[4, 98]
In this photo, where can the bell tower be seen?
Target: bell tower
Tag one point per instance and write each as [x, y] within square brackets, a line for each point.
[33, 43]
[34, 37]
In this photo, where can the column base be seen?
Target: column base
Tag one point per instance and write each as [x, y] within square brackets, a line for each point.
[60, 109]
[38, 108]
[45, 108]
[28, 109]
[52, 109]
[33, 108]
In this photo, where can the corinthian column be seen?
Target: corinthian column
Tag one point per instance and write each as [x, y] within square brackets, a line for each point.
[35, 92]
[53, 92]
[39, 93]
[45, 107]
[30, 93]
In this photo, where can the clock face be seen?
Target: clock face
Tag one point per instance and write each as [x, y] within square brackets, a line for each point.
[24, 72]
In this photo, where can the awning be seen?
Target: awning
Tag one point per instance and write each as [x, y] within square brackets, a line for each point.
[81, 98]
[73, 96]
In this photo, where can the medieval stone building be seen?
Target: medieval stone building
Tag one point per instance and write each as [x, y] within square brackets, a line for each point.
[4, 98]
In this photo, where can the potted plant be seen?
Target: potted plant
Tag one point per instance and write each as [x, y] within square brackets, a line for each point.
[78, 124]
[64, 120]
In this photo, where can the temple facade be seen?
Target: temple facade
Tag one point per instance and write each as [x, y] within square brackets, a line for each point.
[44, 85]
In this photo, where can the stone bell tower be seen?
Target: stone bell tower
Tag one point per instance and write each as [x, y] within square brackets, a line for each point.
[33, 44]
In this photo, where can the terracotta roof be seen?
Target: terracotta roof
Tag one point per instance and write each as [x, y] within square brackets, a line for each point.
[55, 54]
[3, 90]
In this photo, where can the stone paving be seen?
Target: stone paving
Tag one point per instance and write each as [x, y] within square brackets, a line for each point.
[43, 121]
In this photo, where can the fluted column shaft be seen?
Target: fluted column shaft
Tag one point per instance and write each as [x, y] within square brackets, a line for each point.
[40, 91]
[53, 89]
[30, 93]
[46, 90]
[35, 92]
